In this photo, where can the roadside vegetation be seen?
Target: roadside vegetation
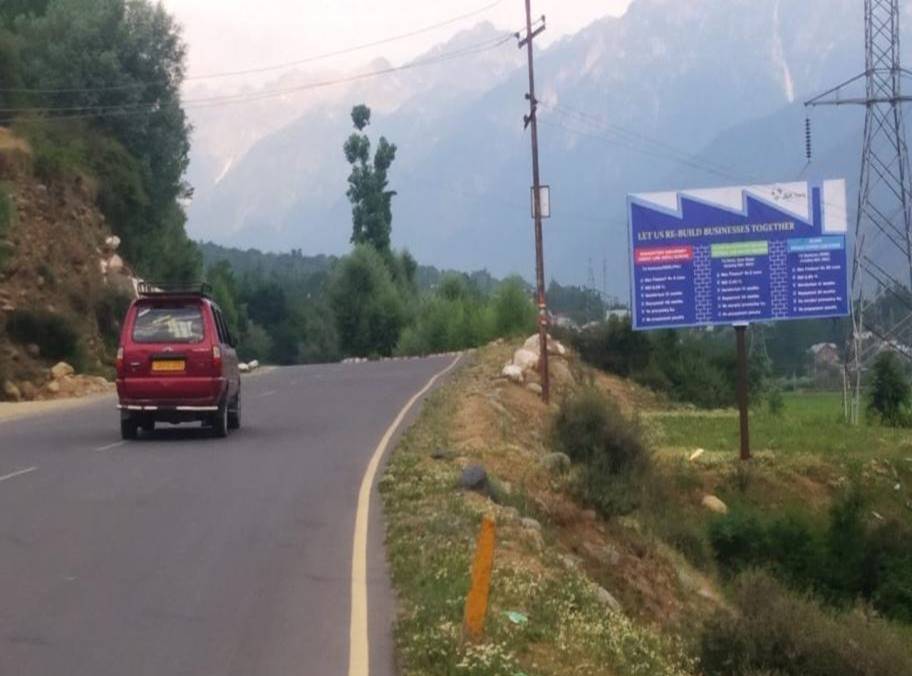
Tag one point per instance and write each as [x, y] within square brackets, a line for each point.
[795, 563]
[373, 302]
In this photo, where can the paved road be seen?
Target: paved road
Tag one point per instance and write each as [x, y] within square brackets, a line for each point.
[181, 554]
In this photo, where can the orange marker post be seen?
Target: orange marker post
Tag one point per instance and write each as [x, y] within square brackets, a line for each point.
[476, 607]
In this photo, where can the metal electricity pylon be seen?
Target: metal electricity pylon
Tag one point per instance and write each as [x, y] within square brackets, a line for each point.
[882, 263]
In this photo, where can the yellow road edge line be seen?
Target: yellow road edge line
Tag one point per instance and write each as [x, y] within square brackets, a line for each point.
[358, 642]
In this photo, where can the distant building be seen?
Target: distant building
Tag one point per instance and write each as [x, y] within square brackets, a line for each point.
[562, 321]
[825, 355]
[825, 367]
[617, 312]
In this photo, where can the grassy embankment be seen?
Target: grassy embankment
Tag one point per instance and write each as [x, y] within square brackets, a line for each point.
[618, 594]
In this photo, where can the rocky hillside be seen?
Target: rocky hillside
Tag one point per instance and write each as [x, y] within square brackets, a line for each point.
[63, 287]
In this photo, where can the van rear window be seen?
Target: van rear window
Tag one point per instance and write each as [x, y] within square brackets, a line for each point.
[168, 324]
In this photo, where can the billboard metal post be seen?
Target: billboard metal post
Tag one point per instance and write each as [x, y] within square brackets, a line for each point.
[743, 398]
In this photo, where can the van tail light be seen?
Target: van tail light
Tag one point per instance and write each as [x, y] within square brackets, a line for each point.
[216, 357]
[119, 363]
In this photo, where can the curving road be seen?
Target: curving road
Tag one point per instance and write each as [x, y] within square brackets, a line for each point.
[180, 554]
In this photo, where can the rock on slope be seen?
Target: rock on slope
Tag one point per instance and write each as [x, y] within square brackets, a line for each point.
[62, 286]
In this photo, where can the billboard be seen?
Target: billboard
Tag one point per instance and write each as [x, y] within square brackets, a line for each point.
[738, 254]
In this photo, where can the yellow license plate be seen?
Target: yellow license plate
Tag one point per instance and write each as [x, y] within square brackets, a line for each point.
[167, 365]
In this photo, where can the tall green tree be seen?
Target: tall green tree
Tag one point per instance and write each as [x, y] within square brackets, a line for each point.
[372, 216]
[120, 64]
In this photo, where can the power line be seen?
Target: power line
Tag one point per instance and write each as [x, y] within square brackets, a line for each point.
[632, 135]
[264, 69]
[676, 155]
[143, 107]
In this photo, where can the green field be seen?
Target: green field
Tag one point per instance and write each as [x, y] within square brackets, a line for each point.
[811, 423]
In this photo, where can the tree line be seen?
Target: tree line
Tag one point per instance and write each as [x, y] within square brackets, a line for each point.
[94, 86]
[373, 302]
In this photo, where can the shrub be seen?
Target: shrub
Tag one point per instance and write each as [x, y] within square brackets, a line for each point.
[775, 402]
[890, 391]
[110, 309]
[615, 347]
[777, 631]
[514, 313]
[737, 540]
[842, 561]
[591, 430]
[52, 333]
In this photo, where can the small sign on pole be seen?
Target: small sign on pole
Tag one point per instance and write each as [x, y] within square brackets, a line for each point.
[545, 199]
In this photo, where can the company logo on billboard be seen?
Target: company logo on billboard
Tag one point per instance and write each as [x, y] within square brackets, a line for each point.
[665, 254]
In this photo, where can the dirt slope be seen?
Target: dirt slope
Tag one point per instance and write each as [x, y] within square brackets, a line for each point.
[51, 272]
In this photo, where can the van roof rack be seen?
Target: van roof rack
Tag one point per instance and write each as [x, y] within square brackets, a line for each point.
[158, 289]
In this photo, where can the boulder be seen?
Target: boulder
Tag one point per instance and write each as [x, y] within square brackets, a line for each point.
[530, 523]
[535, 388]
[115, 264]
[714, 504]
[441, 454]
[112, 243]
[607, 598]
[33, 350]
[556, 462]
[525, 359]
[61, 370]
[52, 387]
[474, 478]
[243, 368]
[28, 390]
[254, 365]
[533, 344]
[607, 555]
[513, 372]
[11, 392]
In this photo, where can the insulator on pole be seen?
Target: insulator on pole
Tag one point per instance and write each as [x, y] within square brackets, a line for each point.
[807, 138]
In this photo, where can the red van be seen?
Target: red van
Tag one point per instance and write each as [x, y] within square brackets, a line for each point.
[177, 363]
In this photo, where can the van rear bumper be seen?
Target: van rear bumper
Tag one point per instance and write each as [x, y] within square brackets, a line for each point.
[151, 408]
[171, 394]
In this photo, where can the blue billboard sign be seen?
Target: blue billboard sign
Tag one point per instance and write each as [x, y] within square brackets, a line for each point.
[738, 255]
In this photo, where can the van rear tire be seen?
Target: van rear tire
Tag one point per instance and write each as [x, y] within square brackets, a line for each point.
[234, 414]
[220, 422]
[128, 429]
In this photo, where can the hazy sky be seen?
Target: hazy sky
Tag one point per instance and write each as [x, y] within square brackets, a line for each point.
[237, 34]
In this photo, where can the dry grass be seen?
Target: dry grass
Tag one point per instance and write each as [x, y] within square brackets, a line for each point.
[549, 576]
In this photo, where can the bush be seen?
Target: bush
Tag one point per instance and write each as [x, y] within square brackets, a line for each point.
[514, 313]
[890, 392]
[842, 562]
[52, 333]
[776, 631]
[110, 310]
[616, 348]
[591, 430]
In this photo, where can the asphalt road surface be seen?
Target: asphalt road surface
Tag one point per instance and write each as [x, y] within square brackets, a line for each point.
[183, 554]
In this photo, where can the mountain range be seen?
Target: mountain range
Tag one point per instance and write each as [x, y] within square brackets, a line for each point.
[673, 94]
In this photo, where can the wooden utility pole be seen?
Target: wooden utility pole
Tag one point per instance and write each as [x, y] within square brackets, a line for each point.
[532, 119]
